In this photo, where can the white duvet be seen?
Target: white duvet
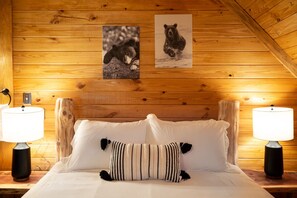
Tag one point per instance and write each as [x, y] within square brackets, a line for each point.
[87, 184]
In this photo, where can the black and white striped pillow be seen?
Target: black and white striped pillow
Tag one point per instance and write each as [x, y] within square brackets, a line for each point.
[145, 161]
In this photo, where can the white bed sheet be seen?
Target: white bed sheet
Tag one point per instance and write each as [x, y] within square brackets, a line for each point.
[87, 184]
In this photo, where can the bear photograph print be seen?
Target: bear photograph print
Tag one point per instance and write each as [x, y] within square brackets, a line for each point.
[173, 41]
[120, 53]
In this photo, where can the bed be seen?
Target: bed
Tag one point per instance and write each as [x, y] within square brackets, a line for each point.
[212, 174]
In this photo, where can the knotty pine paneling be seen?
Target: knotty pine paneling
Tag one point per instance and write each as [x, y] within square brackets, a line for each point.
[47, 97]
[284, 27]
[104, 17]
[5, 48]
[6, 67]
[204, 58]
[94, 44]
[293, 52]
[57, 53]
[28, 5]
[257, 8]
[277, 18]
[211, 30]
[149, 71]
[159, 85]
[288, 40]
[277, 13]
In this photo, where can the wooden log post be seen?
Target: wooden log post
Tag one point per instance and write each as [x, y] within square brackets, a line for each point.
[229, 111]
[64, 126]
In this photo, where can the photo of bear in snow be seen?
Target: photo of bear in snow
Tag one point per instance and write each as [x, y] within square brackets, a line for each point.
[173, 41]
[120, 52]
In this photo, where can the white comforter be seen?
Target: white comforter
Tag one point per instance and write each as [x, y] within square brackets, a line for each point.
[87, 184]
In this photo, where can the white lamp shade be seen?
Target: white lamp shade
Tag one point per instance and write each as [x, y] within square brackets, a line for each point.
[22, 124]
[273, 123]
[2, 107]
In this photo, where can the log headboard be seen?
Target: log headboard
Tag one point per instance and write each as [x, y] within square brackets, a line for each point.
[65, 120]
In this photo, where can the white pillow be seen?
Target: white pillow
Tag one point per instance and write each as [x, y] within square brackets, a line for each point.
[87, 153]
[208, 138]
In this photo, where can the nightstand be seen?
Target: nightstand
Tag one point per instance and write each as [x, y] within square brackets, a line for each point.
[12, 189]
[285, 187]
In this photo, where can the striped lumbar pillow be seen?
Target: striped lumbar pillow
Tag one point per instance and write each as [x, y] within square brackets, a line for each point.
[145, 161]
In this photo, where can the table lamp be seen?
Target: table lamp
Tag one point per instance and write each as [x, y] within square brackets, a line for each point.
[21, 125]
[273, 124]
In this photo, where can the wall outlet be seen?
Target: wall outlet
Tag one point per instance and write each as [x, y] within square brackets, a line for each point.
[27, 98]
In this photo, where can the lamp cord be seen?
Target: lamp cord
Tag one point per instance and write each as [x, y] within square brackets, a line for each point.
[5, 92]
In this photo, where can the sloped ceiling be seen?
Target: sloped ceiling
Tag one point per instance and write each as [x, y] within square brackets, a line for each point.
[275, 23]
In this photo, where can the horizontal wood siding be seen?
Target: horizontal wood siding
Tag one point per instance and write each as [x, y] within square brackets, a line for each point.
[6, 71]
[278, 18]
[57, 53]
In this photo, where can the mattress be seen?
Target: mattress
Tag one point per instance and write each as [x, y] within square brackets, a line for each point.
[87, 183]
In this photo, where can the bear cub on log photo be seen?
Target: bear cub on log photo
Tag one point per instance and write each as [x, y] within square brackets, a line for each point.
[120, 52]
[127, 52]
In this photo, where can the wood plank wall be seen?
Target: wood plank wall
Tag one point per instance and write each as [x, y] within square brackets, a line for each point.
[6, 73]
[6, 69]
[57, 53]
[278, 18]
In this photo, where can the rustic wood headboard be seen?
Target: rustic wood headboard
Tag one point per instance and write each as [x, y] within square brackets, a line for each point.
[65, 120]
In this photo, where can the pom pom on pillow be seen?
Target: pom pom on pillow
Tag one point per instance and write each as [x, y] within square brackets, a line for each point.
[185, 147]
[145, 161]
[104, 142]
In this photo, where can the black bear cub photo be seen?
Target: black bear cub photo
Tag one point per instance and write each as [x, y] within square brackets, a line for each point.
[120, 52]
[174, 42]
[127, 52]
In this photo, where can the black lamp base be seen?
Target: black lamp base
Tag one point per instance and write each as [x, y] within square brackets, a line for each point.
[273, 164]
[21, 162]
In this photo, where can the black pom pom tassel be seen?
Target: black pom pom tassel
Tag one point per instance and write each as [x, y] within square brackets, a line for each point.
[184, 175]
[104, 175]
[185, 147]
[104, 142]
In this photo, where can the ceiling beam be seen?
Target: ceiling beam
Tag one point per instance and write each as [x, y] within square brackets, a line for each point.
[262, 35]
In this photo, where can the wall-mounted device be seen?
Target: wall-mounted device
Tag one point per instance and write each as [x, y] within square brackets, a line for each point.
[27, 98]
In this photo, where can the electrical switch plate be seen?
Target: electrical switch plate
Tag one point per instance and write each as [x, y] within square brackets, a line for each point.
[27, 98]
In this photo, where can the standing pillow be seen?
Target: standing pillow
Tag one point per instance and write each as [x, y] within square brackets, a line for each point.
[86, 153]
[145, 161]
[208, 137]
